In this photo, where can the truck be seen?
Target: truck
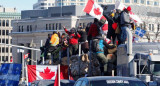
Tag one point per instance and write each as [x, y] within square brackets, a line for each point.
[140, 60]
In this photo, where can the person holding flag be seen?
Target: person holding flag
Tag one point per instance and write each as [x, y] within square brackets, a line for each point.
[125, 22]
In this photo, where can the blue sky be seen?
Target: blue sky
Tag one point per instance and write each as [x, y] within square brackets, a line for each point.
[19, 4]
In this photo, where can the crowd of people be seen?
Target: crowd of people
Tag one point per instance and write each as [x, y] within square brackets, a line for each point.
[92, 37]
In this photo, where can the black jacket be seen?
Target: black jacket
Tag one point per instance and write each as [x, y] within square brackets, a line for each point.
[83, 36]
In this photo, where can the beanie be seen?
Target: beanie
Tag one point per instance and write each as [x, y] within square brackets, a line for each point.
[129, 8]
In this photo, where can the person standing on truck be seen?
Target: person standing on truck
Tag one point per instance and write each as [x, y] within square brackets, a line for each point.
[125, 22]
[73, 41]
[53, 46]
[97, 47]
[111, 31]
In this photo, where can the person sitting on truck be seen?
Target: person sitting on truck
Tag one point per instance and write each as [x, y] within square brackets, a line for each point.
[73, 41]
[97, 47]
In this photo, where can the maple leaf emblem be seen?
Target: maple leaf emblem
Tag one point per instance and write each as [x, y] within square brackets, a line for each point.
[47, 74]
[97, 11]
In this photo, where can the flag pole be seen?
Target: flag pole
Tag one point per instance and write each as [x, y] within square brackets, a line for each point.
[26, 73]
[22, 67]
[59, 75]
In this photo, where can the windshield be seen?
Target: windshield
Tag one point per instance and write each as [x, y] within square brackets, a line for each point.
[155, 68]
[116, 83]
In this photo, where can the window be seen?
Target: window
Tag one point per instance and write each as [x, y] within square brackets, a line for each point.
[158, 27]
[0, 32]
[6, 49]
[43, 4]
[3, 23]
[49, 26]
[81, 0]
[49, 4]
[6, 41]
[72, 3]
[142, 1]
[60, 27]
[149, 3]
[3, 49]
[127, 1]
[3, 40]
[46, 26]
[84, 83]
[7, 23]
[27, 28]
[22, 28]
[3, 33]
[73, 0]
[81, 3]
[156, 3]
[152, 27]
[11, 41]
[100, 0]
[30, 27]
[56, 26]
[135, 1]
[78, 83]
[149, 26]
[7, 32]
[52, 26]
[109, 1]
[10, 49]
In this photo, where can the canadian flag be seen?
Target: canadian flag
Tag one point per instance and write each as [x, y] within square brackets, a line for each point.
[94, 9]
[40, 72]
[26, 55]
[107, 40]
[121, 6]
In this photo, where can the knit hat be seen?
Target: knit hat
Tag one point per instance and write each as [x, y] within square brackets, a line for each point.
[129, 8]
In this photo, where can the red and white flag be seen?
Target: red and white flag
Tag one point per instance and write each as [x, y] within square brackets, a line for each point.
[41, 72]
[26, 55]
[94, 9]
[121, 6]
[107, 40]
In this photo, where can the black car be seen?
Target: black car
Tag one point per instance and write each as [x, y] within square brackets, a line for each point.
[63, 82]
[109, 81]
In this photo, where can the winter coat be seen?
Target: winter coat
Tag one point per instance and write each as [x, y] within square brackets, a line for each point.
[54, 40]
[73, 38]
[110, 22]
[83, 36]
[125, 19]
[98, 47]
[93, 30]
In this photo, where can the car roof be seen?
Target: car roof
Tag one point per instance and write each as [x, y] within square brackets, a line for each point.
[95, 78]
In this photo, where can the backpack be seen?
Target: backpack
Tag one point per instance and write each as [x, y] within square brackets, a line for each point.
[97, 45]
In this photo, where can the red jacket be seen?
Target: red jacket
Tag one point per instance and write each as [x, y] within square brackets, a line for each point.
[73, 39]
[93, 30]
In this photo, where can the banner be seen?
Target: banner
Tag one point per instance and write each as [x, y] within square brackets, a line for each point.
[41, 72]
[10, 74]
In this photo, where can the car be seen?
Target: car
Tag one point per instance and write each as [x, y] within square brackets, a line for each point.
[63, 82]
[109, 81]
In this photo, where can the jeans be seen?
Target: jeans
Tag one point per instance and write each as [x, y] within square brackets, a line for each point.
[123, 34]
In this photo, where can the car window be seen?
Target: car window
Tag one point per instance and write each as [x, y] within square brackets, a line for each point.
[84, 83]
[78, 83]
[116, 83]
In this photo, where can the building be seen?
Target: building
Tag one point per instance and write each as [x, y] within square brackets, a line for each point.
[6, 16]
[44, 4]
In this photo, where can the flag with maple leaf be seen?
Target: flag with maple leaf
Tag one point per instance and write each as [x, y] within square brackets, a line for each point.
[94, 9]
[41, 72]
[26, 55]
